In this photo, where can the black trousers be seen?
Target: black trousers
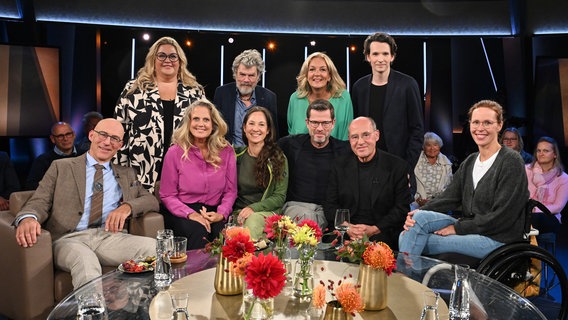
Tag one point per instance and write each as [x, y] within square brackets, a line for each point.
[196, 234]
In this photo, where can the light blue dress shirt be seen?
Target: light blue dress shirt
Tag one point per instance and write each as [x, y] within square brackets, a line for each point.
[240, 111]
[112, 192]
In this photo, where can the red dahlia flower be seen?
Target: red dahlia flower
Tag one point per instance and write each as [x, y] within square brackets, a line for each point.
[265, 275]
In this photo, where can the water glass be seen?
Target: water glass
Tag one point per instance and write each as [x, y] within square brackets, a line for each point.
[179, 253]
[164, 249]
[341, 224]
[91, 306]
[179, 303]
[430, 309]
[459, 298]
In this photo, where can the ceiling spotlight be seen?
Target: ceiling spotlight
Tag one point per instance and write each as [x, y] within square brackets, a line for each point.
[146, 36]
[353, 48]
[230, 40]
[312, 43]
[271, 45]
[188, 43]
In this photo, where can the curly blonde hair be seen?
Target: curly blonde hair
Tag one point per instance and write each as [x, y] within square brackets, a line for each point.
[215, 142]
[146, 77]
[336, 85]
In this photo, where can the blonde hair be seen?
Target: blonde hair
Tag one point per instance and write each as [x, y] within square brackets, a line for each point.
[336, 85]
[146, 77]
[490, 104]
[215, 142]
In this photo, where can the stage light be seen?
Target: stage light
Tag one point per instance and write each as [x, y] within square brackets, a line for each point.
[188, 43]
[146, 36]
[271, 45]
[312, 43]
[230, 40]
[353, 48]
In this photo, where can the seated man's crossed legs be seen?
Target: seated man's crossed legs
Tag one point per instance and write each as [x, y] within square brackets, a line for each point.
[82, 253]
[299, 211]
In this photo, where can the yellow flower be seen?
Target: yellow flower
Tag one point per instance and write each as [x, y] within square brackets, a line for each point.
[304, 235]
[349, 298]
[318, 296]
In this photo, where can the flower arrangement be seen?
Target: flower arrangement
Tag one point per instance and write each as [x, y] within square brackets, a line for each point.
[344, 296]
[307, 233]
[277, 229]
[377, 255]
[305, 237]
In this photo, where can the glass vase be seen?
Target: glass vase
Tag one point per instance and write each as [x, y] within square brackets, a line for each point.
[285, 256]
[304, 279]
[372, 287]
[254, 308]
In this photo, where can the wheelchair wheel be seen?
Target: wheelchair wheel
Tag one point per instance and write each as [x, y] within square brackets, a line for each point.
[533, 272]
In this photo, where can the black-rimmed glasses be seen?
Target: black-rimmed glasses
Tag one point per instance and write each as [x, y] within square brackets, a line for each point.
[324, 124]
[62, 136]
[163, 56]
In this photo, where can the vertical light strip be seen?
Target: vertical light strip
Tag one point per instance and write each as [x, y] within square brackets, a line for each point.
[347, 67]
[305, 52]
[488, 64]
[264, 59]
[221, 61]
[132, 58]
[424, 67]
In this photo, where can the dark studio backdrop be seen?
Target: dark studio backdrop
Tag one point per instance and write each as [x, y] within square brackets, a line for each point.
[459, 52]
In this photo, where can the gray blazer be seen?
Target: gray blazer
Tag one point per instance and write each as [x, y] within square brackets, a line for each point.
[59, 200]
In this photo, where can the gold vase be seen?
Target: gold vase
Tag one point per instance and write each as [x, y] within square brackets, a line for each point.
[226, 283]
[332, 312]
[372, 287]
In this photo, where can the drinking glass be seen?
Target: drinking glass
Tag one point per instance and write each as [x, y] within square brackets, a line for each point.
[91, 306]
[341, 224]
[430, 310]
[164, 248]
[179, 303]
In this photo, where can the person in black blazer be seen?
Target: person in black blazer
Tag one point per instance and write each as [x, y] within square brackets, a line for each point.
[392, 99]
[372, 184]
[235, 98]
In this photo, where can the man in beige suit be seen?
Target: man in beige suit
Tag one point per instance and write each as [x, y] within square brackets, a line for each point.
[62, 203]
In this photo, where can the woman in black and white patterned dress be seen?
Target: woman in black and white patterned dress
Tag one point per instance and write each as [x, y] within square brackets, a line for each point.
[151, 106]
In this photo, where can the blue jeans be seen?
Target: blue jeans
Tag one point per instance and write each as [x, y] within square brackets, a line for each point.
[421, 240]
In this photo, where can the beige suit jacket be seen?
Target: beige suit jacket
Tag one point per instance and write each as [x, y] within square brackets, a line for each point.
[59, 200]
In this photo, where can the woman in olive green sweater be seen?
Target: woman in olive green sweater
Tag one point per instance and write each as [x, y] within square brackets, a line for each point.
[262, 172]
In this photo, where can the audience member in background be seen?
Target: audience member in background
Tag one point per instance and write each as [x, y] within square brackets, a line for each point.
[89, 122]
[372, 184]
[512, 138]
[63, 137]
[392, 99]
[310, 157]
[151, 106]
[65, 203]
[319, 79]
[9, 181]
[491, 189]
[548, 183]
[262, 172]
[433, 171]
[199, 177]
[235, 98]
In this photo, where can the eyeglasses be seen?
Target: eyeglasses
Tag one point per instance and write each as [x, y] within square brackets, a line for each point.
[104, 136]
[62, 136]
[364, 135]
[163, 56]
[324, 124]
[510, 139]
[485, 124]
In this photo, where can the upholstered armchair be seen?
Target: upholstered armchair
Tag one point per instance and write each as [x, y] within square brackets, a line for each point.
[31, 286]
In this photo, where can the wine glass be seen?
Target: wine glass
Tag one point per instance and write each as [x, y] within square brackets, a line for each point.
[341, 224]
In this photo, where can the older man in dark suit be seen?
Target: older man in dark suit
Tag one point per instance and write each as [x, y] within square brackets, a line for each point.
[235, 98]
[84, 203]
[392, 99]
[372, 184]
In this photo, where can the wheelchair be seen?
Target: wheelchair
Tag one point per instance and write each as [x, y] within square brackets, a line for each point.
[526, 268]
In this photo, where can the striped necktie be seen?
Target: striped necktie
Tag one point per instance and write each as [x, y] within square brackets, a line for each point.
[97, 198]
